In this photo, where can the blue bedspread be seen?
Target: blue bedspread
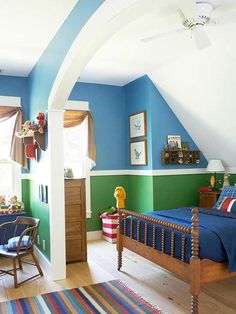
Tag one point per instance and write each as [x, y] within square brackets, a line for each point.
[217, 239]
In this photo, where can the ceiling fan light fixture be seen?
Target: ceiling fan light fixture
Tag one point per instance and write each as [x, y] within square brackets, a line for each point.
[204, 11]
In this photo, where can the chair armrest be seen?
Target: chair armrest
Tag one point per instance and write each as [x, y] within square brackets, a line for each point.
[25, 232]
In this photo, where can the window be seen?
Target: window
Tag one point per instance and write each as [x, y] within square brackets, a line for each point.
[75, 145]
[9, 171]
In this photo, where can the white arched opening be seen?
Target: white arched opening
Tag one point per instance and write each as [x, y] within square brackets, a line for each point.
[107, 20]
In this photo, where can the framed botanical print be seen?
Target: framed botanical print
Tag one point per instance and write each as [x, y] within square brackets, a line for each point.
[138, 153]
[137, 124]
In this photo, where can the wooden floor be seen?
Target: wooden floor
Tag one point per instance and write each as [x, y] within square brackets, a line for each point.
[157, 286]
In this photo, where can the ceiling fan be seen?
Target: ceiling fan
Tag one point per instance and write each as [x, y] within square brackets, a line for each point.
[195, 16]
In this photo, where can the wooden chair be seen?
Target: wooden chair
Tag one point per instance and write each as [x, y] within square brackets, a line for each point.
[26, 227]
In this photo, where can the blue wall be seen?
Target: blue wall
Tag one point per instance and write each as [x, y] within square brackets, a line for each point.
[44, 73]
[141, 94]
[18, 87]
[107, 105]
[137, 95]
[111, 107]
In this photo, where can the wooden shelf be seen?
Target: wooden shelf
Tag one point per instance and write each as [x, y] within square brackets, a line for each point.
[180, 157]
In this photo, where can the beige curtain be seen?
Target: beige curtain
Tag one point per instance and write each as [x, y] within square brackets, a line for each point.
[73, 118]
[17, 147]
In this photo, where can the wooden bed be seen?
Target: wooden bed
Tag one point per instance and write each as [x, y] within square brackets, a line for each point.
[197, 272]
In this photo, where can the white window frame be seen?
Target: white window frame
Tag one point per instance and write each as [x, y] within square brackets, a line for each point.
[10, 101]
[83, 105]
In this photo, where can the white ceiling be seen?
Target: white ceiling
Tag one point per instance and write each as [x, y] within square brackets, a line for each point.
[124, 57]
[26, 28]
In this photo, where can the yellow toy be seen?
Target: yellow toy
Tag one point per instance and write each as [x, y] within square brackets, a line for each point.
[120, 196]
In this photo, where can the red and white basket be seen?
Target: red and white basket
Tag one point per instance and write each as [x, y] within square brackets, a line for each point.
[109, 227]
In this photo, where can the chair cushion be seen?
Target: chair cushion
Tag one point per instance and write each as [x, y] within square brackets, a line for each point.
[13, 243]
[228, 205]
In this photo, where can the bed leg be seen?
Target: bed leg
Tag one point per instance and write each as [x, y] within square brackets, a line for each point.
[119, 265]
[194, 304]
[120, 196]
[119, 249]
[195, 263]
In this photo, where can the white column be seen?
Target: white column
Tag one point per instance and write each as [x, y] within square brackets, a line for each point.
[56, 194]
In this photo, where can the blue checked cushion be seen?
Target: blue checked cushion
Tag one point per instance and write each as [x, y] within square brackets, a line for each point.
[228, 191]
[13, 243]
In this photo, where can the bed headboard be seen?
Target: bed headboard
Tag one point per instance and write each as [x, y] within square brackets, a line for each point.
[228, 191]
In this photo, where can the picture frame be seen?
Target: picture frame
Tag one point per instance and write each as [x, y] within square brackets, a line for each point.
[138, 153]
[137, 125]
[174, 142]
[43, 193]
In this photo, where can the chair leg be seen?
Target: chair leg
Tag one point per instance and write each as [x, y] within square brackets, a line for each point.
[15, 273]
[37, 264]
[20, 263]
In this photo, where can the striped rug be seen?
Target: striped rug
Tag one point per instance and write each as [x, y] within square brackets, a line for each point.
[108, 297]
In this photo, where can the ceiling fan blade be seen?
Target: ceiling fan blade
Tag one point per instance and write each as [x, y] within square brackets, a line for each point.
[201, 39]
[188, 8]
[158, 36]
[225, 19]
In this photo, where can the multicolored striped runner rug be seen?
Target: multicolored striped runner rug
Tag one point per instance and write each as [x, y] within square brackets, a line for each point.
[108, 297]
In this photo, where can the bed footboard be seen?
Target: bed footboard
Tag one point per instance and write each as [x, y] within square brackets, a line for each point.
[130, 220]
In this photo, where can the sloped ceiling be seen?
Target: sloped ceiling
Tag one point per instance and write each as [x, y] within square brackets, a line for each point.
[200, 89]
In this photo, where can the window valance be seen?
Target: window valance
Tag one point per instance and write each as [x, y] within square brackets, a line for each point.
[17, 148]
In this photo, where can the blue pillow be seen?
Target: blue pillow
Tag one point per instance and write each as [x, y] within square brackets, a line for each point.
[13, 243]
[228, 191]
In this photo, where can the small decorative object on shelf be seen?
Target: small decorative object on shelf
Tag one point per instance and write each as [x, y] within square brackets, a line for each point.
[180, 157]
[173, 142]
[226, 179]
[185, 146]
[68, 173]
[13, 205]
[33, 135]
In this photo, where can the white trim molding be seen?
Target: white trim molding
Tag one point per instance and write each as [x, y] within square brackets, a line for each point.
[94, 235]
[43, 261]
[10, 101]
[77, 105]
[161, 172]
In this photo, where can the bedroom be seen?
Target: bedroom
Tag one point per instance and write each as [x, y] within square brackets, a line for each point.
[180, 183]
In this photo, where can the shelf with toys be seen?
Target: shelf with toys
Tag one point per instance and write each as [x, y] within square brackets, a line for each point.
[33, 135]
[12, 206]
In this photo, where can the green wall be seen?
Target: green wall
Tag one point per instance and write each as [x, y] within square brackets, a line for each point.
[140, 193]
[172, 191]
[102, 191]
[37, 209]
[145, 193]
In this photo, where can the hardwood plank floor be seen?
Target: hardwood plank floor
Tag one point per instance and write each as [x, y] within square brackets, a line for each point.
[154, 284]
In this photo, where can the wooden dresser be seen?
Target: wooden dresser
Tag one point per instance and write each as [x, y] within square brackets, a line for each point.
[75, 214]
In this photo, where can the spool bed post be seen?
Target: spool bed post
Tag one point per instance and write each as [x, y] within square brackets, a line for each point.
[195, 267]
[120, 196]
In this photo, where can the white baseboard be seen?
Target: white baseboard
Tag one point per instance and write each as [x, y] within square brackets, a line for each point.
[94, 235]
[43, 261]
